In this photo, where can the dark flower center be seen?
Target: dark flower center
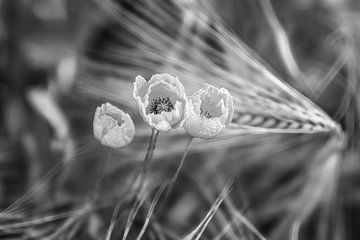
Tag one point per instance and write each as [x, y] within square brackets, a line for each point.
[159, 105]
[113, 120]
[205, 113]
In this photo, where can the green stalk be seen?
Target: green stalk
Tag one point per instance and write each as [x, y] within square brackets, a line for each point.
[148, 156]
[99, 180]
[182, 160]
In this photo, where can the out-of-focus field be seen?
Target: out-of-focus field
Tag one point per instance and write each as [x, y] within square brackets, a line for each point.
[286, 168]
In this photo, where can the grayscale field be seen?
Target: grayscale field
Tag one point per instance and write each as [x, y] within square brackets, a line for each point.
[180, 119]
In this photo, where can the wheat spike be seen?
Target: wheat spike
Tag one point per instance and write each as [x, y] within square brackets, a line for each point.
[158, 36]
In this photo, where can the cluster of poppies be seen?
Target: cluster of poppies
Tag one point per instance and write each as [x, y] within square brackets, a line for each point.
[164, 106]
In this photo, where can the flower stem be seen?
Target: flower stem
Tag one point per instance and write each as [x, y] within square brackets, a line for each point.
[173, 180]
[148, 156]
[138, 190]
[99, 180]
[182, 160]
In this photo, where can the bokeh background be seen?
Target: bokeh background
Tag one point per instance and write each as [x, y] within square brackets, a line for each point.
[59, 59]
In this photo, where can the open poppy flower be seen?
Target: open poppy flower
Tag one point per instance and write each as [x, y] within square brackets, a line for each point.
[162, 101]
[211, 111]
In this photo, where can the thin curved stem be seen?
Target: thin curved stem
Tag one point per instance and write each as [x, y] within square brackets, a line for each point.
[139, 198]
[148, 156]
[101, 177]
[174, 178]
[182, 160]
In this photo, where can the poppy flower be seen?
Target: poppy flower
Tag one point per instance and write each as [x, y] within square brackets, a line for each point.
[113, 127]
[211, 110]
[162, 101]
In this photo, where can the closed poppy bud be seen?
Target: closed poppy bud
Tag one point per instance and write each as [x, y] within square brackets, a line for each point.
[113, 127]
[162, 101]
[212, 109]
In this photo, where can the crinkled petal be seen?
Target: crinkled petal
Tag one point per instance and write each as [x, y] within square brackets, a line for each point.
[140, 87]
[161, 86]
[211, 111]
[173, 81]
[202, 127]
[113, 127]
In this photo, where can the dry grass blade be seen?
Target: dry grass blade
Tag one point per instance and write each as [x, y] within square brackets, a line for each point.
[18, 204]
[46, 219]
[243, 220]
[139, 201]
[152, 208]
[197, 232]
[282, 41]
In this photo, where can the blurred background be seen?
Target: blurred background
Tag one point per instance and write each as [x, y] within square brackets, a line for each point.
[59, 59]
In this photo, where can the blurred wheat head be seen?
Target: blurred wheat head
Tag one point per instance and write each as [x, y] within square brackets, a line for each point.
[290, 164]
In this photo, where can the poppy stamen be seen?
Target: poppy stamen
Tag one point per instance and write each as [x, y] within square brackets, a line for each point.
[159, 105]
